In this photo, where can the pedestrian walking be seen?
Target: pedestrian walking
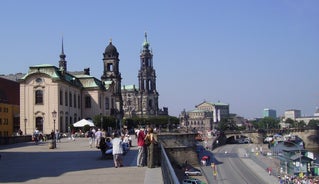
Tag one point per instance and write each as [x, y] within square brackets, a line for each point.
[98, 135]
[117, 151]
[73, 135]
[90, 136]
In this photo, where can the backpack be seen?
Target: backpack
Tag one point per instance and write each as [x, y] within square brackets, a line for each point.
[90, 134]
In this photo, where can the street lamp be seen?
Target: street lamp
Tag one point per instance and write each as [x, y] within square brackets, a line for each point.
[101, 118]
[25, 126]
[54, 113]
[54, 116]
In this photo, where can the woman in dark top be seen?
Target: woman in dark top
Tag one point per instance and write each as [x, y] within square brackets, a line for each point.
[152, 156]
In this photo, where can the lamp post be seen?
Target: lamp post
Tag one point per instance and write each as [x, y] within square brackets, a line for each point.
[101, 118]
[54, 113]
[54, 116]
[25, 126]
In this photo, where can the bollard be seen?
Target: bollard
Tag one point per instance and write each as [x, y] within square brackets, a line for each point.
[52, 144]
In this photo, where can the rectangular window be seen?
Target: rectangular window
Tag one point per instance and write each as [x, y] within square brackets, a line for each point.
[66, 120]
[70, 98]
[71, 120]
[66, 98]
[87, 102]
[74, 100]
[61, 97]
[79, 101]
[38, 97]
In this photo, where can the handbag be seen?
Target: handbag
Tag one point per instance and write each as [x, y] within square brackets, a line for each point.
[147, 141]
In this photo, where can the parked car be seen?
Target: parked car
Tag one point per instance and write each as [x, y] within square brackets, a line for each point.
[243, 141]
[191, 181]
[268, 139]
[192, 171]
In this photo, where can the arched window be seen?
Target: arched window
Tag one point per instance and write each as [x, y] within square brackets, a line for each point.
[38, 97]
[39, 123]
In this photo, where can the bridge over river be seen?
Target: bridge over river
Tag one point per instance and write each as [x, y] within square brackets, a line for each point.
[309, 136]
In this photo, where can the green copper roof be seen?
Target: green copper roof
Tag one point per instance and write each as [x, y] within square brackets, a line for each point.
[129, 87]
[48, 69]
[198, 110]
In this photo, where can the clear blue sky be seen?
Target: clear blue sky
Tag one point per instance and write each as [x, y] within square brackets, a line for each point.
[249, 54]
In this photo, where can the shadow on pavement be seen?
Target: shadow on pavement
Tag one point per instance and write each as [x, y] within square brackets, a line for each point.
[20, 166]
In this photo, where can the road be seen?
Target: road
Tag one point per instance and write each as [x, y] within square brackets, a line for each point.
[230, 167]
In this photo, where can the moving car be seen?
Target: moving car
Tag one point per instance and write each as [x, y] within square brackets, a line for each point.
[243, 141]
[191, 181]
[192, 171]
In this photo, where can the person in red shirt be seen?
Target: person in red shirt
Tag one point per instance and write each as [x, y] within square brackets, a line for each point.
[140, 145]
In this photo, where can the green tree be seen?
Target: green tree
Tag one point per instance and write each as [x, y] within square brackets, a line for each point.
[227, 124]
[301, 124]
[290, 122]
[268, 123]
[107, 121]
[134, 122]
[313, 124]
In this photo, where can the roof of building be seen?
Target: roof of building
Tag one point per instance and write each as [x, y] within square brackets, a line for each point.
[111, 50]
[214, 104]
[198, 110]
[80, 80]
[130, 87]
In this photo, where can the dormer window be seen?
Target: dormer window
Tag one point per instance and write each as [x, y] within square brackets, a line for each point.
[38, 80]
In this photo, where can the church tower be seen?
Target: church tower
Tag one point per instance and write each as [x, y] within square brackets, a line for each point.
[62, 62]
[112, 75]
[148, 95]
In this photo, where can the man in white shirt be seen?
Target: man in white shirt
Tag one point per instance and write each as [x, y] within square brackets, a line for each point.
[117, 151]
[98, 135]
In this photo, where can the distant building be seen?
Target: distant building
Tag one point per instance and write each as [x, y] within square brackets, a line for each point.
[269, 113]
[292, 114]
[205, 116]
[13, 77]
[296, 116]
[9, 107]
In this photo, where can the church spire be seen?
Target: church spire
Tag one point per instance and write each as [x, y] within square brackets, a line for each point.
[62, 62]
[145, 44]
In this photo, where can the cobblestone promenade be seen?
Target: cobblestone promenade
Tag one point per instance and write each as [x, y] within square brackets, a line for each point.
[71, 162]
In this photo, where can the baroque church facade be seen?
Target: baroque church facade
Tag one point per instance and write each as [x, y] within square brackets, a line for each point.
[54, 98]
[143, 101]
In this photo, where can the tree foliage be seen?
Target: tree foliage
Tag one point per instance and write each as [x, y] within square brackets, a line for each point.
[313, 124]
[134, 122]
[266, 123]
[227, 124]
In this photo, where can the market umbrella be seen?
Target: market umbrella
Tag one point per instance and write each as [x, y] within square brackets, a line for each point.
[83, 122]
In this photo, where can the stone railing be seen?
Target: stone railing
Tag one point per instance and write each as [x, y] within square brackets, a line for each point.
[169, 176]
[15, 139]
